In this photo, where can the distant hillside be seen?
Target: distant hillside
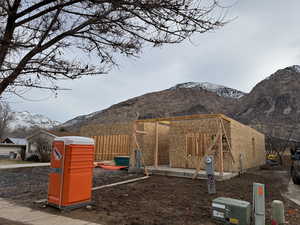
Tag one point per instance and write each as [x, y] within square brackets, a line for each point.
[273, 105]
[182, 99]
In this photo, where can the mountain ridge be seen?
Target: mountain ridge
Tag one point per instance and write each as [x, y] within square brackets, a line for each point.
[221, 90]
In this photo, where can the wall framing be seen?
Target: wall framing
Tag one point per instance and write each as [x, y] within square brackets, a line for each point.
[178, 141]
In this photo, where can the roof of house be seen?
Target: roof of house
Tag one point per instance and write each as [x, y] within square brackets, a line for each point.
[17, 141]
[62, 133]
[54, 133]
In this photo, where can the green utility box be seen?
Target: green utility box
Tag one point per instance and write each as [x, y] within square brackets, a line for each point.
[231, 211]
[122, 160]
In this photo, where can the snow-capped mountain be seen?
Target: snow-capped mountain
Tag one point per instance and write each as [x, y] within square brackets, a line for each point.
[218, 89]
[28, 120]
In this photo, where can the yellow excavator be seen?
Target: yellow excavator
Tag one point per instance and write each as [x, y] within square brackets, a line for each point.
[295, 167]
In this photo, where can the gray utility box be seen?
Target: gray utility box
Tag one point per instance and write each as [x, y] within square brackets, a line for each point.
[231, 211]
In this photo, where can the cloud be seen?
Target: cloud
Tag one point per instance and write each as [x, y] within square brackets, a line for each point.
[264, 37]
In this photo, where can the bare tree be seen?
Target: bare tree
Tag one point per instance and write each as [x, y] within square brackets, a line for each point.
[44, 148]
[42, 41]
[5, 117]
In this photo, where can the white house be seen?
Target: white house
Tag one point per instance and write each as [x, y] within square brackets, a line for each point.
[13, 146]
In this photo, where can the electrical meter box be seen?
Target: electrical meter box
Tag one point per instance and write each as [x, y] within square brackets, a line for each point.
[231, 211]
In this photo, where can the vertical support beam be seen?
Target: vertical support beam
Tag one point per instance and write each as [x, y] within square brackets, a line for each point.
[156, 146]
[186, 152]
[197, 146]
[221, 159]
[134, 145]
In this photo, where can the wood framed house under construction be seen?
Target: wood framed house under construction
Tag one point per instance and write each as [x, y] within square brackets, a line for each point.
[183, 142]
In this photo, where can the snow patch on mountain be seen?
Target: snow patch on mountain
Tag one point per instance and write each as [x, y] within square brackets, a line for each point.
[218, 89]
[294, 68]
[27, 120]
[79, 119]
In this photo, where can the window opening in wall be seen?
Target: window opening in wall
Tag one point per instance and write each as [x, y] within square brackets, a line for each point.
[197, 143]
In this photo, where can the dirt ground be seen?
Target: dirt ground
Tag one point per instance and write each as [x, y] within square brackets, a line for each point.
[156, 201]
[8, 222]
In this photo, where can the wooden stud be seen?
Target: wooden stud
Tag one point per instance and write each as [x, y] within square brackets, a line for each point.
[221, 159]
[97, 147]
[186, 151]
[123, 147]
[197, 143]
[119, 146]
[105, 147]
[141, 132]
[156, 146]
[109, 142]
[101, 149]
[127, 144]
[111, 147]
[124, 150]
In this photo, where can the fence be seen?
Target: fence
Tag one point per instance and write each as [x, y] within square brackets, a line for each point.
[109, 146]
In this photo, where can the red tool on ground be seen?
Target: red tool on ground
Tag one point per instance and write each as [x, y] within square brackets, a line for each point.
[110, 167]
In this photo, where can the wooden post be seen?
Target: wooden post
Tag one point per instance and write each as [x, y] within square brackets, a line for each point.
[197, 146]
[156, 146]
[186, 151]
[134, 144]
[221, 159]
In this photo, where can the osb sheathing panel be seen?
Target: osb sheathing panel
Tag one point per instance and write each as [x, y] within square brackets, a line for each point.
[149, 144]
[163, 144]
[248, 142]
[178, 132]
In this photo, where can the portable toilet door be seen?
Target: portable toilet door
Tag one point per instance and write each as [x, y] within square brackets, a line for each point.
[70, 179]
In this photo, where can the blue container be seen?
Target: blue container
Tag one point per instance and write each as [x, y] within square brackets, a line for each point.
[122, 160]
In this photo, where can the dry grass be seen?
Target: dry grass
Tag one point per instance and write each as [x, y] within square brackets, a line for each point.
[12, 161]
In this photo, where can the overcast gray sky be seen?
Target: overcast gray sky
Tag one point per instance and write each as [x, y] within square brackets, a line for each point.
[264, 37]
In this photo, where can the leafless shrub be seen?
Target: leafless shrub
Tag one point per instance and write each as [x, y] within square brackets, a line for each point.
[5, 118]
[43, 148]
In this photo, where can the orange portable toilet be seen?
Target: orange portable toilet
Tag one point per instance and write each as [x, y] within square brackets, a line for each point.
[71, 175]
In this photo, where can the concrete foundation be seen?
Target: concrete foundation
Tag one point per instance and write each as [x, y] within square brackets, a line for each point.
[186, 173]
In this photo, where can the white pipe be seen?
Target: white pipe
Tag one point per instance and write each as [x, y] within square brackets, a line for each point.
[119, 183]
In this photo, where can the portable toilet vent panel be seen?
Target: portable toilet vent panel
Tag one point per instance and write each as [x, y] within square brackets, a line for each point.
[71, 175]
[231, 211]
